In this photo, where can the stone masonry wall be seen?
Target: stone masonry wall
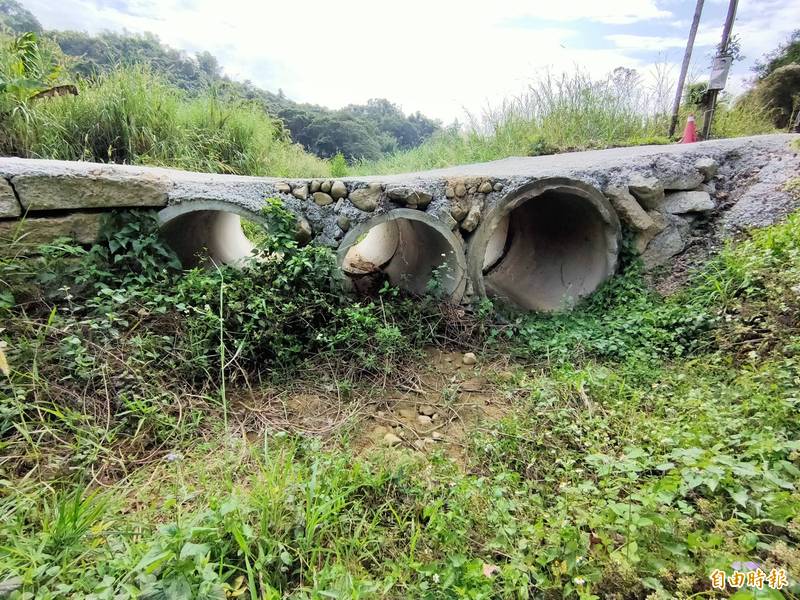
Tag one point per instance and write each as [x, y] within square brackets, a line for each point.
[663, 194]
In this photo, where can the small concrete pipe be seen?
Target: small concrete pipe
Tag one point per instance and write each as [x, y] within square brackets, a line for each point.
[545, 246]
[207, 231]
[407, 248]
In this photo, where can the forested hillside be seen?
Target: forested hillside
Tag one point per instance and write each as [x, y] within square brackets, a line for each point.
[366, 132]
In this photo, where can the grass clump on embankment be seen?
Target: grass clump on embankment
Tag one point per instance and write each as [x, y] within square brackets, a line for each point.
[567, 113]
[647, 440]
[132, 115]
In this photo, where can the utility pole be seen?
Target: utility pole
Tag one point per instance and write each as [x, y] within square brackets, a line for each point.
[687, 57]
[719, 73]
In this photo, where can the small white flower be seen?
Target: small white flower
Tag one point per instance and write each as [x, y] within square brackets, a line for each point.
[435, 578]
[172, 457]
[579, 581]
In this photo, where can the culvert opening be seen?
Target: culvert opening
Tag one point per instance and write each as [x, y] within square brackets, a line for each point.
[210, 236]
[408, 250]
[546, 251]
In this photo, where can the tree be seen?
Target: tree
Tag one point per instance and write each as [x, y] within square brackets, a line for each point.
[17, 18]
[786, 54]
[407, 132]
[779, 92]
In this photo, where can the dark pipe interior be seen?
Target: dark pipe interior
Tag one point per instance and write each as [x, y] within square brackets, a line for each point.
[555, 252]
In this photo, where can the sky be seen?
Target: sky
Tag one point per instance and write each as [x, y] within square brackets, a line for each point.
[445, 58]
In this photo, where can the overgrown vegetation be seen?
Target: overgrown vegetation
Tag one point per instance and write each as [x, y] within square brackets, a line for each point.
[777, 86]
[132, 115]
[649, 441]
[558, 113]
[571, 112]
[646, 440]
[366, 131]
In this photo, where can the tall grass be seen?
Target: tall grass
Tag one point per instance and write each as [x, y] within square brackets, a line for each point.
[571, 111]
[132, 115]
[557, 113]
[745, 116]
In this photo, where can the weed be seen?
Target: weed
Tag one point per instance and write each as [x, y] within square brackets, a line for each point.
[338, 165]
[567, 112]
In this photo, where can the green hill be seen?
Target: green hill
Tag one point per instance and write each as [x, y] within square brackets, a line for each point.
[365, 132]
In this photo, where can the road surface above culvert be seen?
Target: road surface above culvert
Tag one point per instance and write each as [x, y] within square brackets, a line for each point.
[522, 166]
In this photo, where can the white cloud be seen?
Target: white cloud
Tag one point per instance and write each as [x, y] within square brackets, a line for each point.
[656, 43]
[605, 11]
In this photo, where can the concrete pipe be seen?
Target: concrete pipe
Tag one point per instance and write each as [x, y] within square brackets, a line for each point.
[545, 246]
[407, 248]
[207, 231]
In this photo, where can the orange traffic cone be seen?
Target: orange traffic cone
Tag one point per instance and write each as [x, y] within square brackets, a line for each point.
[690, 131]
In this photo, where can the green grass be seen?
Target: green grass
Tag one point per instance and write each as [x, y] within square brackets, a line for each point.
[566, 113]
[647, 441]
[131, 114]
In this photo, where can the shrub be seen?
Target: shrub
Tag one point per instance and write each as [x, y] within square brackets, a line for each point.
[779, 92]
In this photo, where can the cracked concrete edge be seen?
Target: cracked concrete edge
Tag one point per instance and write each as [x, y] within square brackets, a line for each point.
[9, 202]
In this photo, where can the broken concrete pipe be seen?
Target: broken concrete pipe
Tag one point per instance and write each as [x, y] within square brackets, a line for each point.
[545, 246]
[407, 248]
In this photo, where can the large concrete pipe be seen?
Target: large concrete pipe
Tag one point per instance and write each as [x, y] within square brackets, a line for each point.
[407, 248]
[207, 231]
[545, 246]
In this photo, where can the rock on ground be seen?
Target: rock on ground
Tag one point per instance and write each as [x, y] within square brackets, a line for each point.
[300, 192]
[707, 166]
[322, 199]
[649, 191]
[391, 439]
[338, 190]
[628, 208]
[668, 243]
